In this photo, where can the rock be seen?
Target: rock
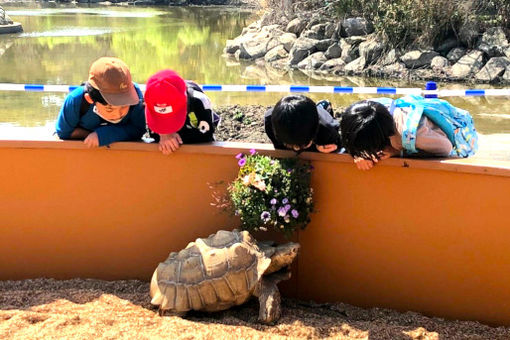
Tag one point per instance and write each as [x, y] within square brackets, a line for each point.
[390, 58]
[254, 27]
[313, 61]
[416, 58]
[506, 75]
[333, 64]
[356, 66]
[279, 52]
[333, 51]
[356, 26]
[315, 20]
[302, 48]
[371, 50]
[507, 52]
[468, 33]
[323, 45]
[469, 64]
[455, 54]
[350, 51]
[296, 26]
[494, 68]
[493, 42]
[395, 70]
[256, 45]
[447, 46]
[439, 63]
[287, 40]
[232, 45]
[329, 31]
[253, 49]
[315, 32]
[4, 18]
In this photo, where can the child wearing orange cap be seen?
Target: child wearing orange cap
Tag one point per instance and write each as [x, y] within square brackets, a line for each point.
[107, 108]
[178, 111]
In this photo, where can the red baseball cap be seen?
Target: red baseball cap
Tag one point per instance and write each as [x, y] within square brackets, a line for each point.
[165, 102]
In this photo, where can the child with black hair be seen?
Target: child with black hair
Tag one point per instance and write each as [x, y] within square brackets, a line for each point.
[297, 123]
[371, 133]
[107, 108]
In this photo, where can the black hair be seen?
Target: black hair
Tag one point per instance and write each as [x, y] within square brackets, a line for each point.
[94, 94]
[366, 128]
[295, 120]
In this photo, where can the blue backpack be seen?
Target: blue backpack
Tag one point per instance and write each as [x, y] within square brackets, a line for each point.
[456, 123]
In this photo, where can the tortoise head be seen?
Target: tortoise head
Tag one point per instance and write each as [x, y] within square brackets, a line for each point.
[282, 257]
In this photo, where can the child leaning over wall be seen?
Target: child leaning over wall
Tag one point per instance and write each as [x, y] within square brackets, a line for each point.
[297, 123]
[107, 108]
[411, 126]
[178, 112]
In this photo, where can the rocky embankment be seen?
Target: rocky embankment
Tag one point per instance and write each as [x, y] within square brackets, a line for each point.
[325, 47]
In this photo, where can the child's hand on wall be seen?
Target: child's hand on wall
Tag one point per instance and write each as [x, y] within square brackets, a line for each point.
[364, 164]
[327, 148]
[92, 140]
[169, 143]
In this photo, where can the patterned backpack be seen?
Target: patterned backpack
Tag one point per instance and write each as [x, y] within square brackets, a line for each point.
[456, 123]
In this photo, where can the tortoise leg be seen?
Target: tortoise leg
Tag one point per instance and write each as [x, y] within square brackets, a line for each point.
[269, 297]
[163, 312]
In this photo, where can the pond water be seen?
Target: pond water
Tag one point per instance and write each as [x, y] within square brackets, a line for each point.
[59, 44]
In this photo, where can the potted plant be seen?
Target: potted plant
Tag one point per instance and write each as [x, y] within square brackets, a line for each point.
[271, 193]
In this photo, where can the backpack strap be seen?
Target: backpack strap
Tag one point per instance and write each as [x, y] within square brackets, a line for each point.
[412, 121]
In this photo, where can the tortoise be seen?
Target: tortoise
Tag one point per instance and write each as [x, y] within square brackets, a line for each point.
[222, 271]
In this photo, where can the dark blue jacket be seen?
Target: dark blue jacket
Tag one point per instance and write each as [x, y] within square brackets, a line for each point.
[130, 128]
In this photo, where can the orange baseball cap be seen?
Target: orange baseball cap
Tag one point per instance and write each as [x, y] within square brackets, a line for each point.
[112, 78]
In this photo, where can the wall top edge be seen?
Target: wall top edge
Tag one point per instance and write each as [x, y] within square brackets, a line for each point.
[468, 165]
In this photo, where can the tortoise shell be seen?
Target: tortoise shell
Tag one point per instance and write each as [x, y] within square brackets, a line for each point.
[210, 274]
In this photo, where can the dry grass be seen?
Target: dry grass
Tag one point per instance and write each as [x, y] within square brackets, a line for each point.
[94, 309]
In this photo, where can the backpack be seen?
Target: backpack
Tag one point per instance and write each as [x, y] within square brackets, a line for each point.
[456, 123]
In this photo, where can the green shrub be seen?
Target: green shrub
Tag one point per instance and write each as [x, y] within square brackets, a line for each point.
[424, 23]
[272, 193]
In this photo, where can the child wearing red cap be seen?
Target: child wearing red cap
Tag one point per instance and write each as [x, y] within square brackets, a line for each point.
[178, 111]
[107, 108]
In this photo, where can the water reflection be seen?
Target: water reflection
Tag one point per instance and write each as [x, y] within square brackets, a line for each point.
[59, 44]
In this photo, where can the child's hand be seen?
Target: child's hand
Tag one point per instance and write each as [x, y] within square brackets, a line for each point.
[92, 140]
[364, 164]
[327, 148]
[169, 143]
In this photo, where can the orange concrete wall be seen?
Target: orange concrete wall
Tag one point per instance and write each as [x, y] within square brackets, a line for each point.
[427, 236]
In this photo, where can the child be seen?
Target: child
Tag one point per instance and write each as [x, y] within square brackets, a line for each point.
[296, 123]
[107, 108]
[178, 111]
[371, 133]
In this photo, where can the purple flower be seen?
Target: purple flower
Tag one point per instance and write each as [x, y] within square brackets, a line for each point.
[265, 216]
[273, 201]
[286, 207]
[311, 167]
[289, 170]
[294, 213]
[282, 212]
[285, 201]
[272, 162]
[242, 162]
[239, 155]
[253, 151]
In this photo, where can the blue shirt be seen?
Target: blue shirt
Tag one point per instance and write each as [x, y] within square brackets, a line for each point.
[130, 128]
